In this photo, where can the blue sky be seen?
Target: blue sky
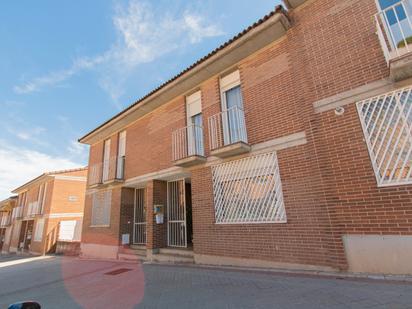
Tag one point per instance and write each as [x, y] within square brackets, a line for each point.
[66, 66]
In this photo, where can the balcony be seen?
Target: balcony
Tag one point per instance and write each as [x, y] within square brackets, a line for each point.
[227, 133]
[5, 220]
[17, 213]
[187, 146]
[34, 209]
[107, 172]
[394, 29]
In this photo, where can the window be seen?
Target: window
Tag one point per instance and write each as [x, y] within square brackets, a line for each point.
[387, 123]
[194, 124]
[397, 19]
[249, 191]
[106, 160]
[121, 155]
[101, 206]
[38, 235]
[41, 197]
[232, 106]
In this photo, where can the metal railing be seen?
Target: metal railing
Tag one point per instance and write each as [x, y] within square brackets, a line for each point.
[17, 213]
[110, 169]
[227, 127]
[394, 29]
[5, 219]
[34, 209]
[187, 142]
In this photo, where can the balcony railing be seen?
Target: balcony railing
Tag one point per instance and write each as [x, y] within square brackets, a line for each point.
[227, 127]
[17, 213]
[394, 29]
[107, 171]
[5, 220]
[187, 142]
[34, 209]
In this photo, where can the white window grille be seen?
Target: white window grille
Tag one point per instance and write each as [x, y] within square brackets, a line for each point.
[249, 191]
[387, 123]
[101, 206]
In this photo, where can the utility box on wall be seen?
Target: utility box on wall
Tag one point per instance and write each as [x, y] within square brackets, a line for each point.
[159, 213]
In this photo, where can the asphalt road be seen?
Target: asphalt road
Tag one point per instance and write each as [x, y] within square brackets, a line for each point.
[62, 283]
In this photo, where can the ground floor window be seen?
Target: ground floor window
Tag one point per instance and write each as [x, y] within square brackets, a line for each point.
[249, 191]
[38, 233]
[387, 124]
[101, 206]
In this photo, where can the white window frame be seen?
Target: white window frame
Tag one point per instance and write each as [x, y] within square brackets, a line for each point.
[104, 197]
[121, 152]
[106, 160]
[232, 208]
[194, 108]
[391, 97]
[38, 233]
[227, 83]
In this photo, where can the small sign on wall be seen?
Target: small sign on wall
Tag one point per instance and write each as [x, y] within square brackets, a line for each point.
[73, 198]
[125, 239]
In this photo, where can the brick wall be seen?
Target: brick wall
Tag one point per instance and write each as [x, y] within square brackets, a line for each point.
[329, 185]
[156, 193]
[127, 213]
[103, 235]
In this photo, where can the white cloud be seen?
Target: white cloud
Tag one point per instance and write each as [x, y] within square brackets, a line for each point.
[143, 35]
[78, 150]
[19, 165]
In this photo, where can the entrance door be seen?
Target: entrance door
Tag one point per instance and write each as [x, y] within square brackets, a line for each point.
[139, 227]
[176, 214]
[29, 235]
[2, 238]
[22, 235]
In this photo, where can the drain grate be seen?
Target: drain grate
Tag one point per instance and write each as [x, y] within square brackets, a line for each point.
[118, 271]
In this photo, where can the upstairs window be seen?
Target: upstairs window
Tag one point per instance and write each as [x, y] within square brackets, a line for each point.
[106, 160]
[194, 124]
[234, 128]
[397, 18]
[121, 157]
[387, 125]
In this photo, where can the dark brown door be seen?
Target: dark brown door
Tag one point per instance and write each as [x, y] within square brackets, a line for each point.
[2, 238]
[29, 235]
[22, 234]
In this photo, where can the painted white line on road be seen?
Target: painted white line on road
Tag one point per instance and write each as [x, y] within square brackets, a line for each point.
[22, 261]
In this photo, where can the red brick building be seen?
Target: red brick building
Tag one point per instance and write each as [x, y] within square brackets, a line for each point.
[289, 146]
[6, 208]
[47, 209]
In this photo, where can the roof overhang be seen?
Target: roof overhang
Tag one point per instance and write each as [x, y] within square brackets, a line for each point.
[43, 177]
[24, 187]
[245, 44]
[8, 204]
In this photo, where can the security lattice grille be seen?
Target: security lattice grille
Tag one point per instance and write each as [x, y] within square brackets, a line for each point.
[101, 206]
[387, 123]
[249, 191]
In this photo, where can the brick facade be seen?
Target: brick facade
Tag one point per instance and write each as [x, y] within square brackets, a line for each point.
[64, 201]
[328, 182]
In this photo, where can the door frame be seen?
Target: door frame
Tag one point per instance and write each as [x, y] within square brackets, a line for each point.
[134, 217]
[184, 221]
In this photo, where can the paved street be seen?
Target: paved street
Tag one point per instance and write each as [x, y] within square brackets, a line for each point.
[58, 282]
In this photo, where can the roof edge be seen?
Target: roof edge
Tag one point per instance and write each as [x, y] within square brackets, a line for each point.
[279, 9]
[44, 175]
